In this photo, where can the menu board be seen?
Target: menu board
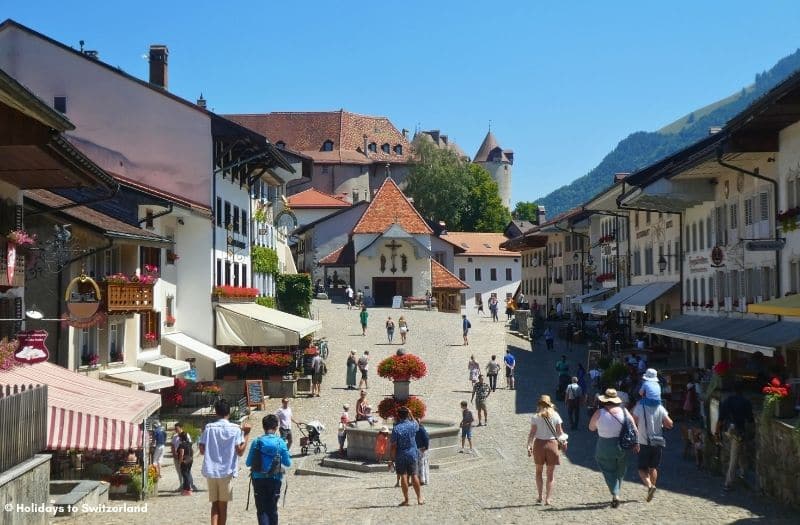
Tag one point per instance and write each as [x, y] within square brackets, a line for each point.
[254, 390]
[397, 301]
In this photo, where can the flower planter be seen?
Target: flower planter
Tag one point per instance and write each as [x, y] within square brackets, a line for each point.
[784, 408]
[401, 390]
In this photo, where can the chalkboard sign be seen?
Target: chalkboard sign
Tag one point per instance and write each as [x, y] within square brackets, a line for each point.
[397, 301]
[254, 389]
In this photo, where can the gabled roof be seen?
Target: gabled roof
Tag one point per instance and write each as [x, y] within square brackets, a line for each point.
[442, 278]
[313, 198]
[490, 151]
[310, 225]
[389, 206]
[477, 244]
[350, 133]
[342, 256]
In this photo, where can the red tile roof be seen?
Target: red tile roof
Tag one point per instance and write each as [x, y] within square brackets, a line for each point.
[306, 132]
[342, 256]
[313, 198]
[442, 278]
[389, 206]
[479, 244]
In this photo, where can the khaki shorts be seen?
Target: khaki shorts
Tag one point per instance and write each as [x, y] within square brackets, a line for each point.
[220, 489]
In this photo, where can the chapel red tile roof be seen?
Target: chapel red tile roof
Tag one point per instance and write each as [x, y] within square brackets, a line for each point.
[477, 244]
[442, 278]
[342, 256]
[307, 131]
[313, 198]
[389, 206]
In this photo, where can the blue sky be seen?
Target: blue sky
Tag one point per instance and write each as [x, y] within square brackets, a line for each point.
[561, 82]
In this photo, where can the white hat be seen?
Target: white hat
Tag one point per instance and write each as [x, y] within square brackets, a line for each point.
[651, 375]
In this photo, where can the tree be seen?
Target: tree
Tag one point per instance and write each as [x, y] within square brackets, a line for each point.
[446, 188]
[526, 211]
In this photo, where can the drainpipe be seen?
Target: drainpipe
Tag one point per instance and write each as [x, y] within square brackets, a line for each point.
[774, 183]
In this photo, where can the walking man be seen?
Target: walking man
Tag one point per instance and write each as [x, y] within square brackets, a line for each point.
[221, 444]
[465, 326]
[573, 397]
[735, 415]
[651, 422]
[466, 425]
[363, 367]
[349, 294]
[510, 363]
[492, 369]
[267, 481]
[285, 420]
[548, 338]
[317, 371]
[480, 393]
[176, 442]
[404, 454]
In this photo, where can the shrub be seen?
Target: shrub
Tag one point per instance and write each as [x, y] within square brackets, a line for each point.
[265, 260]
[613, 374]
[269, 302]
[294, 293]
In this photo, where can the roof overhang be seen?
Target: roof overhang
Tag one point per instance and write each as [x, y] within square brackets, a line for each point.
[396, 232]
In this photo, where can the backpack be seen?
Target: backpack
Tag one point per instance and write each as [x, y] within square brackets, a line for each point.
[627, 434]
[573, 392]
[257, 465]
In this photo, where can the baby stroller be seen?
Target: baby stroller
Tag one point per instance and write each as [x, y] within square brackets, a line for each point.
[310, 438]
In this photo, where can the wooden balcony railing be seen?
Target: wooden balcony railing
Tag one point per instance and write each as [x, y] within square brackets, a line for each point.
[23, 423]
[128, 297]
[19, 272]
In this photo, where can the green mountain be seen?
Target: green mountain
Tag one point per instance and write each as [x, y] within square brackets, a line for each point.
[642, 148]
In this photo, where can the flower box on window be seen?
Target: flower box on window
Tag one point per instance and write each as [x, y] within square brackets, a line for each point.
[234, 294]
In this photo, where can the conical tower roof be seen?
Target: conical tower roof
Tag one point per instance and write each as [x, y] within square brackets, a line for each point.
[488, 146]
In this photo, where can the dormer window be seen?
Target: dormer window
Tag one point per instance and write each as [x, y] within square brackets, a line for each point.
[385, 148]
[327, 145]
[372, 147]
[280, 144]
[398, 149]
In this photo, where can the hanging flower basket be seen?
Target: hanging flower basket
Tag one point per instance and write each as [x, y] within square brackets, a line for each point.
[404, 367]
[21, 238]
[388, 407]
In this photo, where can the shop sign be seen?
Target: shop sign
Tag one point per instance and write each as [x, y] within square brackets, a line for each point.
[765, 245]
[698, 264]
[31, 347]
[717, 256]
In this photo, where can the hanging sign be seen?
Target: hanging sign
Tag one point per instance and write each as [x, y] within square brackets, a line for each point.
[11, 261]
[717, 256]
[765, 245]
[82, 305]
[31, 347]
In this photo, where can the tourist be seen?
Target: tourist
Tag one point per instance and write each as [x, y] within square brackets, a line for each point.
[344, 421]
[363, 409]
[176, 441]
[382, 444]
[285, 420]
[493, 307]
[573, 396]
[559, 310]
[465, 326]
[221, 443]
[651, 420]
[509, 308]
[185, 459]
[641, 365]
[736, 418]
[349, 293]
[562, 368]
[466, 425]
[428, 299]
[570, 335]
[581, 375]
[651, 389]
[510, 364]
[543, 445]
[404, 454]
[423, 459]
[548, 337]
[363, 367]
[402, 325]
[492, 369]
[267, 480]
[474, 370]
[318, 369]
[159, 441]
[389, 329]
[612, 459]
[351, 370]
[480, 393]
[364, 317]
[480, 306]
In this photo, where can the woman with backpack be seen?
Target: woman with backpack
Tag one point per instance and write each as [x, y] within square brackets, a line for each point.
[186, 458]
[617, 433]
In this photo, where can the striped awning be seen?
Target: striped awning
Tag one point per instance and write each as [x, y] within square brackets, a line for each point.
[86, 413]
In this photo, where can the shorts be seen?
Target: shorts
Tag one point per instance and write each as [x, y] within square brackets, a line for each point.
[649, 457]
[316, 378]
[220, 489]
[466, 432]
[406, 468]
[466, 332]
[403, 330]
[480, 405]
[286, 433]
[509, 372]
[158, 454]
[545, 452]
[364, 374]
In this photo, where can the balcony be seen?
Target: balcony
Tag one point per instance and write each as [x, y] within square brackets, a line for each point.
[18, 279]
[128, 297]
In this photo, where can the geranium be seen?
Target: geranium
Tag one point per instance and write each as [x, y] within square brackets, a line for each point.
[277, 360]
[21, 238]
[235, 291]
[721, 368]
[388, 407]
[403, 367]
[94, 360]
[608, 276]
[181, 384]
[151, 268]
[606, 238]
[7, 351]
[776, 389]
[208, 388]
[170, 320]
[117, 278]
[150, 336]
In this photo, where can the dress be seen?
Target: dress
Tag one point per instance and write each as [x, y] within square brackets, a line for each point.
[351, 372]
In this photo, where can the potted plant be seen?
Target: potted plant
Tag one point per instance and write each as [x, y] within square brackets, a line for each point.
[170, 320]
[402, 369]
[777, 399]
[172, 257]
[7, 351]
[388, 407]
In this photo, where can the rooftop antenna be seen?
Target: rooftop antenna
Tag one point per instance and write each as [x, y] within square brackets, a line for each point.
[81, 42]
[490, 125]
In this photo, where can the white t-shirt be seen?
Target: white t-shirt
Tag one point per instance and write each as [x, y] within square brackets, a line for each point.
[655, 417]
[609, 424]
[284, 417]
[542, 430]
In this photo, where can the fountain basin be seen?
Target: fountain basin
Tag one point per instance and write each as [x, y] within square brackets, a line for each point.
[444, 439]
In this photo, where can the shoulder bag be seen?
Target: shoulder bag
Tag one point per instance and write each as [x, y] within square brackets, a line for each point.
[653, 441]
[627, 434]
[562, 439]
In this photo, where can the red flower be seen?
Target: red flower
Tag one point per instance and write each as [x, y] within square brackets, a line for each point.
[235, 291]
[403, 367]
[388, 407]
[277, 360]
[776, 388]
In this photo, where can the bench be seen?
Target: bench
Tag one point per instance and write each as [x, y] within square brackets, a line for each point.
[408, 302]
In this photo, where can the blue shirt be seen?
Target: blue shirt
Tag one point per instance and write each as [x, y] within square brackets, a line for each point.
[465, 324]
[404, 436]
[652, 390]
[220, 439]
[159, 436]
[269, 445]
[509, 359]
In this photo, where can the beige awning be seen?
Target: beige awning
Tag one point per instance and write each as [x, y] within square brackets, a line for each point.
[138, 377]
[175, 366]
[250, 324]
[198, 348]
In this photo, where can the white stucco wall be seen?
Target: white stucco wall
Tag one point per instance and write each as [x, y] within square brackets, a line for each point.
[194, 278]
[309, 215]
[445, 248]
[789, 164]
[368, 267]
[486, 286]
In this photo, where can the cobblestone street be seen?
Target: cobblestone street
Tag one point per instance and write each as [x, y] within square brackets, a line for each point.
[495, 486]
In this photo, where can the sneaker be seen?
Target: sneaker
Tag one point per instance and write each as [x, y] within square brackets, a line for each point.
[186, 493]
[650, 493]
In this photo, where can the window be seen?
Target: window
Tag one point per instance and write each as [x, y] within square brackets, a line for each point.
[355, 196]
[228, 280]
[508, 274]
[227, 214]
[149, 256]
[148, 219]
[734, 213]
[149, 329]
[60, 104]
[372, 147]
[243, 225]
[385, 148]
[711, 289]
[637, 263]
[236, 219]
[694, 237]
[477, 274]
[327, 145]
[748, 212]
[493, 274]
[116, 342]
[398, 149]
[170, 306]
[701, 235]
[235, 267]
[648, 260]
[462, 274]
[218, 212]
[694, 290]
[111, 260]
[647, 218]
[766, 283]
[219, 272]
[87, 346]
[688, 235]
[763, 205]
[636, 219]
[709, 240]
[244, 275]
[568, 242]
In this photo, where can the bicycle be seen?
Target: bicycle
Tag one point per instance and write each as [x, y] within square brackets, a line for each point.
[322, 346]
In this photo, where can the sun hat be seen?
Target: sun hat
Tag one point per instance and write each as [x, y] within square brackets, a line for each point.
[610, 397]
[346, 406]
[651, 375]
[384, 430]
[544, 400]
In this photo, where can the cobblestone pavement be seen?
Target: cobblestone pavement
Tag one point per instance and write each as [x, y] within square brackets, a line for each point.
[497, 485]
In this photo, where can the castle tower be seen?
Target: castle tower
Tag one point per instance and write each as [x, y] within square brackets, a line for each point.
[498, 162]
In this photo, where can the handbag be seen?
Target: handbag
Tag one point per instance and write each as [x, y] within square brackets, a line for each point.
[562, 439]
[653, 441]
[627, 434]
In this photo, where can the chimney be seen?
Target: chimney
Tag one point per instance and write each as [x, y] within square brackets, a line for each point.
[619, 177]
[158, 65]
[444, 139]
[713, 130]
[540, 215]
[366, 151]
[405, 132]
[201, 102]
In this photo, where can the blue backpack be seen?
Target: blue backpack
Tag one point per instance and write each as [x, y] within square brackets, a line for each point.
[627, 434]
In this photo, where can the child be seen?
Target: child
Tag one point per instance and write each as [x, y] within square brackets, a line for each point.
[466, 426]
[344, 420]
[651, 389]
[382, 444]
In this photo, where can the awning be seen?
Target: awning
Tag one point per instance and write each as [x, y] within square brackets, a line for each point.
[594, 293]
[788, 306]
[603, 307]
[725, 332]
[138, 377]
[175, 366]
[250, 324]
[197, 348]
[84, 412]
[586, 307]
[775, 335]
[639, 301]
